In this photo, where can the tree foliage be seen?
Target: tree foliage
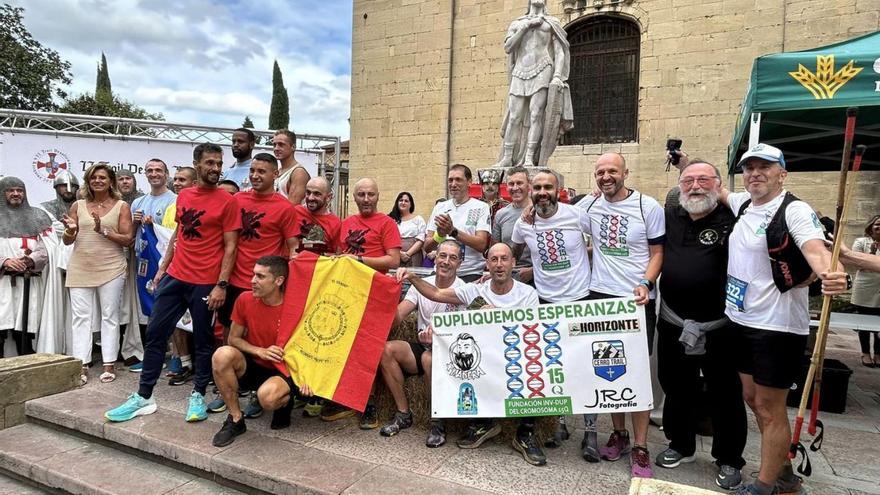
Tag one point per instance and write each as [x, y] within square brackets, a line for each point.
[103, 89]
[248, 123]
[30, 73]
[279, 109]
[87, 104]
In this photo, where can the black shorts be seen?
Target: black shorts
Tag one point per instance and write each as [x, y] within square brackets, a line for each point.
[255, 375]
[650, 316]
[224, 313]
[418, 349]
[773, 359]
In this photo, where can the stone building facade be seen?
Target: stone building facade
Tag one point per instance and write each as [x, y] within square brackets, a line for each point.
[429, 86]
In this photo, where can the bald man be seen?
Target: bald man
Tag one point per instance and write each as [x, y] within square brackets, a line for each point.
[373, 239]
[628, 230]
[502, 291]
[317, 229]
[370, 236]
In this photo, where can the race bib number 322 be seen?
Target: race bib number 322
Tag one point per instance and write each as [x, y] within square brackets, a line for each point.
[736, 293]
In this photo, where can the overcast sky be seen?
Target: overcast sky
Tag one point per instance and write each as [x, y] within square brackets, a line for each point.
[208, 61]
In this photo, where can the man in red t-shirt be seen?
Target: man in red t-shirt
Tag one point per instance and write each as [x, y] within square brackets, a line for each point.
[374, 240]
[207, 231]
[252, 354]
[370, 236]
[267, 228]
[317, 230]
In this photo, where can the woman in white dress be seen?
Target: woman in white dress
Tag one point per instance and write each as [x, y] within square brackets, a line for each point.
[412, 229]
[866, 291]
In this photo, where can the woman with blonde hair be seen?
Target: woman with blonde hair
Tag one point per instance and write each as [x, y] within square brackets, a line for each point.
[101, 226]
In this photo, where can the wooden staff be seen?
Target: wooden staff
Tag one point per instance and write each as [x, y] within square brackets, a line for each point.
[819, 347]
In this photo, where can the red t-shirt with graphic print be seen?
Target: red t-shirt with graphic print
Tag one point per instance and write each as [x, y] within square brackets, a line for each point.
[317, 233]
[370, 236]
[203, 216]
[266, 224]
[261, 321]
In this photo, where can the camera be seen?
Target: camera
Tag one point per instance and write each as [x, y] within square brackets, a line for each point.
[673, 146]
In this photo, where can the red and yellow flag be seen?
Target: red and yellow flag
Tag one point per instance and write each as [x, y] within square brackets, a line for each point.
[335, 321]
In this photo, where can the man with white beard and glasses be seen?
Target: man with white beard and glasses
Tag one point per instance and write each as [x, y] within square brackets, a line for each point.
[693, 335]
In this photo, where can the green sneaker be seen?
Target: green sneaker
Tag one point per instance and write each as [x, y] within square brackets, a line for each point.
[197, 410]
[313, 408]
[133, 407]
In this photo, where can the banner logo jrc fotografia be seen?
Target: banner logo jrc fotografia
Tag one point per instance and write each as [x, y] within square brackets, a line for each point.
[47, 164]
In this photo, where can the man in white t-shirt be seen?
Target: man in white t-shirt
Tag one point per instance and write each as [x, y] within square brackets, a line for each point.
[558, 252]
[772, 325]
[464, 219]
[501, 291]
[402, 358]
[628, 232]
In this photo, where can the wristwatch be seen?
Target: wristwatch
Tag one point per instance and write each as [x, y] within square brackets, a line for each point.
[223, 284]
[453, 233]
[647, 283]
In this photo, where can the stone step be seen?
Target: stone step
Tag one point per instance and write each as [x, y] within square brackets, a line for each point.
[14, 486]
[62, 461]
[256, 461]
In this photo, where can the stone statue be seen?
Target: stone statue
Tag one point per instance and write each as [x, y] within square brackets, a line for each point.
[539, 102]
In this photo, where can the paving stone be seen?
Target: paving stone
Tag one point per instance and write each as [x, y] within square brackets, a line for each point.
[660, 487]
[23, 445]
[82, 410]
[498, 468]
[167, 435]
[199, 486]
[10, 486]
[278, 466]
[386, 480]
[98, 469]
[406, 450]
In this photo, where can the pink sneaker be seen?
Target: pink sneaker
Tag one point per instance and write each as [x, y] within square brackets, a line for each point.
[640, 462]
[618, 445]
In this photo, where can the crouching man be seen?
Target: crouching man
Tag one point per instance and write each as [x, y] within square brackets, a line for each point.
[250, 358]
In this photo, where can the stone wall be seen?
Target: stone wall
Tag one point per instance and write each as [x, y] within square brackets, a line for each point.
[695, 61]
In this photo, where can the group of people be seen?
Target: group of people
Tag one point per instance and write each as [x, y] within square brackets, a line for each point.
[715, 301]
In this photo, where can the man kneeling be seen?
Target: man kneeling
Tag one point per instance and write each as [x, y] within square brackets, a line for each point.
[249, 359]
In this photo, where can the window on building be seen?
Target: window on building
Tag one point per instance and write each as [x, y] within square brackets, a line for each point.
[604, 80]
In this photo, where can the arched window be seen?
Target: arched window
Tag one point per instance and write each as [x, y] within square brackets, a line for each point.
[604, 80]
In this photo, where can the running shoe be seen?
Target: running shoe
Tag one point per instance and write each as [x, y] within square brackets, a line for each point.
[617, 446]
[253, 409]
[218, 405]
[527, 445]
[134, 406]
[332, 411]
[281, 417]
[136, 367]
[728, 477]
[197, 410]
[369, 418]
[229, 431]
[589, 447]
[175, 367]
[640, 463]
[560, 435]
[401, 421]
[477, 434]
[671, 458]
[749, 489]
[436, 435]
[185, 375]
[313, 408]
[790, 485]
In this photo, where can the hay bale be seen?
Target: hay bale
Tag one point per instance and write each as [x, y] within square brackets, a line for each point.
[418, 395]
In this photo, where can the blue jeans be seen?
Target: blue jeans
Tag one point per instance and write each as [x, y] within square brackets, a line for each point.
[173, 298]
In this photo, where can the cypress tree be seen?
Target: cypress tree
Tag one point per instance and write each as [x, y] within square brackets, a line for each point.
[103, 89]
[279, 109]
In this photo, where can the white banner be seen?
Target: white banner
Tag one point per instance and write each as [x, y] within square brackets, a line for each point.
[549, 360]
[37, 158]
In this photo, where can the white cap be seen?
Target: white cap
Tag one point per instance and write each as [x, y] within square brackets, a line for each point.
[764, 152]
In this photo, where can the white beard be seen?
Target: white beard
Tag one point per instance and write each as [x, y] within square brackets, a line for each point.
[699, 204]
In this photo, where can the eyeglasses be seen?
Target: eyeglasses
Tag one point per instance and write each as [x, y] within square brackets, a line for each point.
[704, 181]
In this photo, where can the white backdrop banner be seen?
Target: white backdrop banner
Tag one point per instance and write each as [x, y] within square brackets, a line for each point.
[37, 158]
[549, 360]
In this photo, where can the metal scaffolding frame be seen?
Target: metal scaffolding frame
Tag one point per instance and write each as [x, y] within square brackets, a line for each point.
[59, 124]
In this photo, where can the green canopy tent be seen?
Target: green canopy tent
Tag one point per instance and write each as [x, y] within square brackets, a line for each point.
[797, 102]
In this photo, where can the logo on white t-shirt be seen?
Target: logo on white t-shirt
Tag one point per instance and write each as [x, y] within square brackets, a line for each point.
[473, 217]
[612, 235]
[551, 249]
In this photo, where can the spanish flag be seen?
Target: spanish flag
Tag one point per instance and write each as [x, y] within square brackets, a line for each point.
[335, 321]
